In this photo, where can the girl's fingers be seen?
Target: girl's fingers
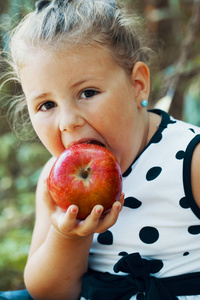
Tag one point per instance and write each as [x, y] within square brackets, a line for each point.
[68, 224]
[67, 220]
[88, 226]
[96, 222]
[111, 217]
[61, 220]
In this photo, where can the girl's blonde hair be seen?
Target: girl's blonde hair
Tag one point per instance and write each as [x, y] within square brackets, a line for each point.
[58, 25]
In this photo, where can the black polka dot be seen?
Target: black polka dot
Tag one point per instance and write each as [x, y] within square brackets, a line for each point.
[194, 229]
[153, 173]
[132, 202]
[127, 172]
[105, 238]
[192, 129]
[186, 253]
[149, 235]
[184, 202]
[180, 154]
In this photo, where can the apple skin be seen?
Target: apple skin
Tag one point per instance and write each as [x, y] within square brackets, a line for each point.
[85, 175]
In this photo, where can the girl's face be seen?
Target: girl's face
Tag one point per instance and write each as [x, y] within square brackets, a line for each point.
[81, 96]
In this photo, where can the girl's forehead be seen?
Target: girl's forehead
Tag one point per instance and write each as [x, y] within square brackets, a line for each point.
[89, 55]
[91, 63]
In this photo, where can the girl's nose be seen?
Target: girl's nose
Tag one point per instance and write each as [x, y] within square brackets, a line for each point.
[69, 120]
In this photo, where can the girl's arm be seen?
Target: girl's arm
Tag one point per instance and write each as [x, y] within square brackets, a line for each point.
[60, 245]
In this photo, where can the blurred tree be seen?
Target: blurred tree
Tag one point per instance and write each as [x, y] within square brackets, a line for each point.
[176, 28]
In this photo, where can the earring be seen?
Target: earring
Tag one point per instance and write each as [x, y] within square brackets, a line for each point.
[144, 103]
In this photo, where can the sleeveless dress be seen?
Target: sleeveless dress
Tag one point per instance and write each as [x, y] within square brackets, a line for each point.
[154, 247]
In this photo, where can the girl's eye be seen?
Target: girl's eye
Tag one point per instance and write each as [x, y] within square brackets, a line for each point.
[88, 94]
[47, 105]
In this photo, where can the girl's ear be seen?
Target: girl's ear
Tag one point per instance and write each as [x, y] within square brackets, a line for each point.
[141, 82]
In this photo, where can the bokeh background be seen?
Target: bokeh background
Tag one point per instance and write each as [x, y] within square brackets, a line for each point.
[174, 32]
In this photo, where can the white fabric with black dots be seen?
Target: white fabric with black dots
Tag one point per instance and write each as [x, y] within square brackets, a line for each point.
[157, 220]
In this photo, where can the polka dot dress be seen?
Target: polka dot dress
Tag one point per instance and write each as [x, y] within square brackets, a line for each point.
[160, 219]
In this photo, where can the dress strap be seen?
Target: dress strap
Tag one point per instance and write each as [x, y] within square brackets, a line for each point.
[187, 174]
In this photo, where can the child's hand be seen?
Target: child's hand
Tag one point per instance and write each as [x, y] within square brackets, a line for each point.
[68, 225]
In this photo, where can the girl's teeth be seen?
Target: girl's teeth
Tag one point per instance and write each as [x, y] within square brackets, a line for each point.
[95, 143]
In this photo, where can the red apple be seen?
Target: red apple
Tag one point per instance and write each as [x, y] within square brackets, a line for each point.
[85, 175]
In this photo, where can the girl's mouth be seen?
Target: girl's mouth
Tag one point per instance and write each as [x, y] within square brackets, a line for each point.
[87, 141]
[95, 143]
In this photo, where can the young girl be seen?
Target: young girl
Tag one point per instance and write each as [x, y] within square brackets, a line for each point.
[83, 70]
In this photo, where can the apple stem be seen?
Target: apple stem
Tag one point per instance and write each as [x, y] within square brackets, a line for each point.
[86, 172]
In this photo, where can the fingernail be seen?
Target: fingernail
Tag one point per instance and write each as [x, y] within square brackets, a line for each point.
[99, 210]
[117, 207]
[73, 210]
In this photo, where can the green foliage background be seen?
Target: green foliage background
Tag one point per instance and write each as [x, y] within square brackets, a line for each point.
[20, 166]
[22, 161]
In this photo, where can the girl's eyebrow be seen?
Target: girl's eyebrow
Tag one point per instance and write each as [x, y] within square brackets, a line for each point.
[86, 78]
[79, 83]
[37, 96]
